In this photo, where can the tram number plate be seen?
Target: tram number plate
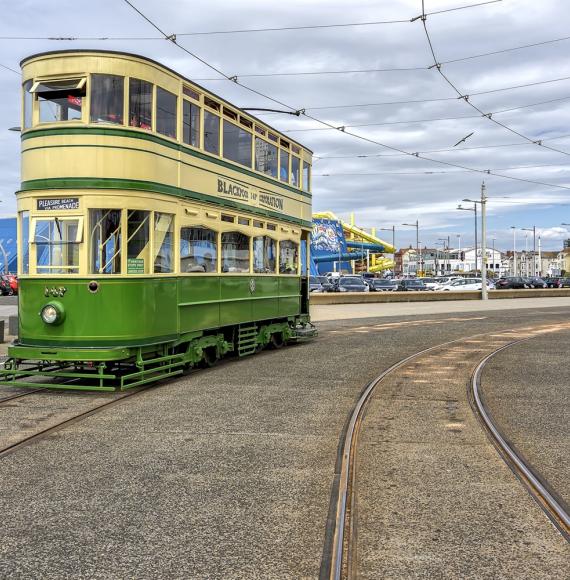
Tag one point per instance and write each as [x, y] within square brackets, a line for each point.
[60, 203]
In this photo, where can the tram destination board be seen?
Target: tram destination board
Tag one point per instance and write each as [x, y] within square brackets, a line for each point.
[60, 203]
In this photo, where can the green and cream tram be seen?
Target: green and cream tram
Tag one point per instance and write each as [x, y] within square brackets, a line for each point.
[159, 226]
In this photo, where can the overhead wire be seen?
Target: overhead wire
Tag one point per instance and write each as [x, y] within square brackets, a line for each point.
[466, 97]
[325, 123]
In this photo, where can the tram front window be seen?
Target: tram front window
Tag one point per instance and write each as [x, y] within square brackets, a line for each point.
[163, 249]
[105, 228]
[138, 242]
[235, 252]
[198, 250]
[107, 99]
[60, 100]
[57, 245]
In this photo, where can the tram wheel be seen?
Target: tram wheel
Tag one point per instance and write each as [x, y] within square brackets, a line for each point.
[210, 357]
[276, 341]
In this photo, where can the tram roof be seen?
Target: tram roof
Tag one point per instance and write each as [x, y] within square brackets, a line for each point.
[156, 63]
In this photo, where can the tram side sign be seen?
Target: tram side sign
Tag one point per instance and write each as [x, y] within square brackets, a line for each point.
[60, 203]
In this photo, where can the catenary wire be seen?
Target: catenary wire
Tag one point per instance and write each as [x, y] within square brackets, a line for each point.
[355, 135]
[466, 97]
[411, 121]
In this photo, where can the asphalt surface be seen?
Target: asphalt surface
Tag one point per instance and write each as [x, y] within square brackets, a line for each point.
[526, 389]
[224, 473]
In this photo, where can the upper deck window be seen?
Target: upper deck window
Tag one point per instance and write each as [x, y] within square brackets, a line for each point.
[28, 101]
[60, 100]
[140, 104]
[107, 93]
[166, 112]
[237, 144]
[295, 170]
[191, 123]
[211, 133]
[284, 167]
[306, 175]
[265, 157]
[191, 93]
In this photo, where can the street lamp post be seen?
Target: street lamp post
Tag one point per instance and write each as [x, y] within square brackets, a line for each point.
[533, 230]
[514, 250]
[474, 210]
[417, 226]
[483, 202]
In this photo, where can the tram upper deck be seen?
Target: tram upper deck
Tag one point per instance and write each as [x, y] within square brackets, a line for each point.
[101, 120]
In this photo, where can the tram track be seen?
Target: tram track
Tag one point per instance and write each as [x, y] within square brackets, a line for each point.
[536, 485]
[339, 553]
[18, 396]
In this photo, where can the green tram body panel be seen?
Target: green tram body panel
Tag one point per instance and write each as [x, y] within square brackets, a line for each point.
[144, 311]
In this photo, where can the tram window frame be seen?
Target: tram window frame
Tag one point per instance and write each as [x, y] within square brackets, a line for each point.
[190, 130]
[140, 110]
[264, 163]
[97, 248]
[284, 172]
[202, 265]
[306, 176]
[28, 104]
[284, 268]
[24, 241]
[109, 100]
[190, 92]
[243, 221]
[258, 224]
[141, 244]
[163, 263]
[272, 227]
[295, 171]
[237, 143]
[227, 258]
[230, 219]
[65, 94]
[69, 250]
[264, 261]
[166, 113]
[211, 141]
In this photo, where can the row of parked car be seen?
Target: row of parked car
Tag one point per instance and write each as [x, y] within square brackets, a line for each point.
[332, 282]
[8, 284]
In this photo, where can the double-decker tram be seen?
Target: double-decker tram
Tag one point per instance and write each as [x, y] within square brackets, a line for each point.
[159, 226]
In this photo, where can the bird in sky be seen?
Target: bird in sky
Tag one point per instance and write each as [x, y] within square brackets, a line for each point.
[464, 139]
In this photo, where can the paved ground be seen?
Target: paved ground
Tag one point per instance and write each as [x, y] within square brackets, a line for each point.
[225, 473]
[530, 404]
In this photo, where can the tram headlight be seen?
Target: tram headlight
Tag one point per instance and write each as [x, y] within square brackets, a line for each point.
[52, 313]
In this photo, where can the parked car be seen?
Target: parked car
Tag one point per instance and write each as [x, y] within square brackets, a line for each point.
[431, 283]
[411, 284]
[320, 284]
[8, 284]
[442, 282]
[382, 285]
[557, 282]
[350, 284]
[467, 284]
[512, 282]
[536, 282]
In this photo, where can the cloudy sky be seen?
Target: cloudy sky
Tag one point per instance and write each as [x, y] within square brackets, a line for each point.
[382, 187]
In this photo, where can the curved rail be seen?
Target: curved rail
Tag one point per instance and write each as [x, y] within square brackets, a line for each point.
[19, 396]
[75, 419]
[544, 497]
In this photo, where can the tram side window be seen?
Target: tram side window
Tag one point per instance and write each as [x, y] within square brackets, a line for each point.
[57, 245]
[107, 92]
[140, 104]
[211, 133]
[237, 144]
[265, 157]
[60, 100]
[163, 237]
[306, 175]
[166, 113]
[284, 171]
[24, 241]
[105, 228]
[235, 252]
[191, 124]
[288, 257]
[295, 168]
[198, 250]
[264, 255]
[28, 102]
[138, 242]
